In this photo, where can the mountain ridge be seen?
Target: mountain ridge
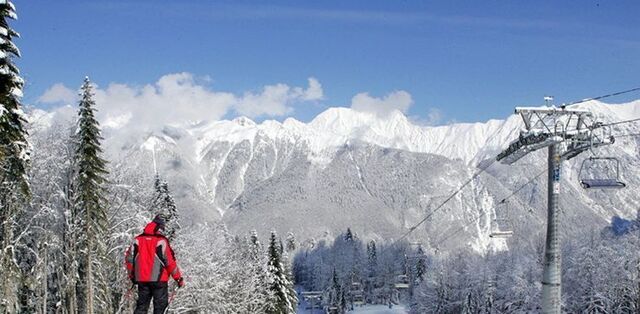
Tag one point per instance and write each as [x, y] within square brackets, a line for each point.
[378, 174]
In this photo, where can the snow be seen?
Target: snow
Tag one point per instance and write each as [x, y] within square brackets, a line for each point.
[366, 309]
[151, 143]
[380, 309]
[335, 127]
[11, 6]
[470, 142]
[12, 15]
[17, 92]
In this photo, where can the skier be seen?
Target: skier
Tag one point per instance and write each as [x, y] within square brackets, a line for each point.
[150, 261]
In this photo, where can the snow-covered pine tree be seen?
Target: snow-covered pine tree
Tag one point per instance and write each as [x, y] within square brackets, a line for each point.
[164, 204]
[372, 258]
[51, 175]
[334, 291]
[291, 243]
[421, 266]
[258, 263]
[14, 157]
[372, 266]
[284, 299]
[348, 236]
[90, 204]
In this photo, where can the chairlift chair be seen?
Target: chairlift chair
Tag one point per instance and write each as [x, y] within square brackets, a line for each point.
[604, 182]
[357, 293]
[501, 234]
[402, 282]
[498, 233]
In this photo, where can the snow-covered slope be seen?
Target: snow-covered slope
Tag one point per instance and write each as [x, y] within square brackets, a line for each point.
[335, 127]
[379, 175]
[339, 126]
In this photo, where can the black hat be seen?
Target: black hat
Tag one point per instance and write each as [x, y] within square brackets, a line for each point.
[159, 220]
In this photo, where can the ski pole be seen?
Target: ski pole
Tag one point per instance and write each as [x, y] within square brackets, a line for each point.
[172, 295]
[129, 292]
[127, 297]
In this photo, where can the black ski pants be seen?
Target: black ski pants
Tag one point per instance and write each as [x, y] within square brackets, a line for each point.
[158, 291]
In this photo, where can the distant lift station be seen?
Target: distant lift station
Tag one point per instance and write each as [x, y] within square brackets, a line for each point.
[566, 133]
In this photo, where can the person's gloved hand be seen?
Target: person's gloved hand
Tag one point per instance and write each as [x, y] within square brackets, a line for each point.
[133, 281]
[180, 282]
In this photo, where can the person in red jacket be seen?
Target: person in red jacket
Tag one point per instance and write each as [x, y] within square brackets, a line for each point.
[150, 261]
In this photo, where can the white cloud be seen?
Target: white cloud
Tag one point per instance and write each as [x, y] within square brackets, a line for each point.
[434, 117]
[174, 98]
[396, 100]
[314, 92]
[276, 100]
[58, 94]
[180, 98]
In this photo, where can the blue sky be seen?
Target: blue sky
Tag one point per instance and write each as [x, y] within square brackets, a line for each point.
[458, 60]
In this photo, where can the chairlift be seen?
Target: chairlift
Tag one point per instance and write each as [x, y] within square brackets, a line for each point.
[611, 180]
[496, 231]
[501, 234]
[402, 282]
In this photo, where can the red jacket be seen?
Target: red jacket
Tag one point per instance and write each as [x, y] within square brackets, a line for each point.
[150, 258]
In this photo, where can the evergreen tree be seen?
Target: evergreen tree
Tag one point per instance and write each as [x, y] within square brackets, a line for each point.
[14, 158]
[291, 242]
[343, 300]
[421, 265]
[90, 204]
[258, 262]
[164, 204]
[254, 245]
[335, 291]
[372, 257]
[283, 299]
[348, 236]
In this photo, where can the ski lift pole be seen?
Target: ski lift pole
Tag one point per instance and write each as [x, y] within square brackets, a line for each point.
[551, 277]
[566, 133]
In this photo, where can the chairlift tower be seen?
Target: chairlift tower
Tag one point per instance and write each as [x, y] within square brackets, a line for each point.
[565, 133]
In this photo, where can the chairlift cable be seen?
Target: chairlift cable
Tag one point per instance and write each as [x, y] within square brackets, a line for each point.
[444, 239]
[618, 122]
[627, 135]
[601, 97]
[475, 175]
[429, 215]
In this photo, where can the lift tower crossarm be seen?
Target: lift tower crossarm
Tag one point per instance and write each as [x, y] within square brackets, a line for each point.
[549, 125]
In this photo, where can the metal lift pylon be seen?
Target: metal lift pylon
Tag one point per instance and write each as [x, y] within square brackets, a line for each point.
[566, 133]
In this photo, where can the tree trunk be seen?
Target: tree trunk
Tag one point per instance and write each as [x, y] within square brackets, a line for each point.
[9, 285]
[89, 293]
[45, 286]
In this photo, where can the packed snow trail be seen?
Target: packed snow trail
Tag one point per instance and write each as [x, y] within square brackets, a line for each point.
[380, 309]
[367, 309]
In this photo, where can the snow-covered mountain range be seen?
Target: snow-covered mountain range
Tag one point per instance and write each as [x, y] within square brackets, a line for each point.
[377, 174]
